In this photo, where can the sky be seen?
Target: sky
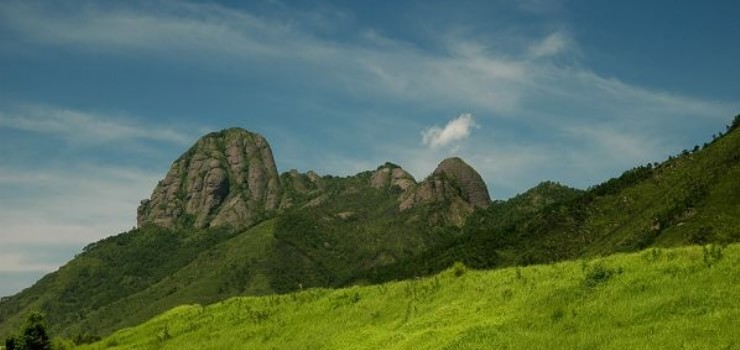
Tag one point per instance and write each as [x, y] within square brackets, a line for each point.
[97, 98]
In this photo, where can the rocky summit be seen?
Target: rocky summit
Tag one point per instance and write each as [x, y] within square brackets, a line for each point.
[227, 178]
[454, 183]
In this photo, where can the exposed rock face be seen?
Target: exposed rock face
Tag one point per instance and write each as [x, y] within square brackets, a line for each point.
[227, 178]
[471, 185]
[456, 185]
[390, 175]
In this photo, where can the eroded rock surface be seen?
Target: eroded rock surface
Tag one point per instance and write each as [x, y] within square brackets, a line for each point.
[455, 186]
[227, 178]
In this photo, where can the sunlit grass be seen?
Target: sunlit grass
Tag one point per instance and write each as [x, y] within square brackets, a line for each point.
[669, 299]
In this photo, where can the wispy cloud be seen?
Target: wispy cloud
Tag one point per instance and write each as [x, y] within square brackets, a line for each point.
[83, 127]
[456, 129]
[462, 71]
[48, 215]
[73, 205]
[551, 45]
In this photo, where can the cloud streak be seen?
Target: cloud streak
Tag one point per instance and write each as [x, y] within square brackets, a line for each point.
[463, 71]
[82, 127]
[74, 205]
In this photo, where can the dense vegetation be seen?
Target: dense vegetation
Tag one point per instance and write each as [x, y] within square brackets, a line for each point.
[693, 198]
[105, 272]
[324, 241]
[655, 299]
[348, 233]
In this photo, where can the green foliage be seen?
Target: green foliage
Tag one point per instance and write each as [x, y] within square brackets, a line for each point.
[666, 298]
[11, 343]
[690, 199]
[459, 269]
[597, 275]
[341, 232]
[712, 254]
[32, 336]
[106, 272]
[85, 338]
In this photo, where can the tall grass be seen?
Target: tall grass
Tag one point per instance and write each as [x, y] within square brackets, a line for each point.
[685, 298]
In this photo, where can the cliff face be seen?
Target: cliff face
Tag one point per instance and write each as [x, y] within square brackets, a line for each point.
[227, 178]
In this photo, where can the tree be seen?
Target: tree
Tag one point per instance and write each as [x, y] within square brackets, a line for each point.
[33, 334]
[11, 343]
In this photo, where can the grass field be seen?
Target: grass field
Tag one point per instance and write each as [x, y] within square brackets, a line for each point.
[683, 298]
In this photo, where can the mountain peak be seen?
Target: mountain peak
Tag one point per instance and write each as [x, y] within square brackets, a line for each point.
[454, 183]
[391, 175]
[225, 179]
[473, 188]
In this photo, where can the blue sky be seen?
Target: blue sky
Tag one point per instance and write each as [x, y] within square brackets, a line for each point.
[97, 98]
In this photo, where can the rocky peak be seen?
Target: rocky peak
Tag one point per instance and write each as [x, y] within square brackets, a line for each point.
[455, 185]
[472, 187]
[390, 175]
[227, 178]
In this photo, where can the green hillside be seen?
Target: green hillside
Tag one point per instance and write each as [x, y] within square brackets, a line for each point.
[693, 198]
[343, 231]
[656, 299]
[128, 278]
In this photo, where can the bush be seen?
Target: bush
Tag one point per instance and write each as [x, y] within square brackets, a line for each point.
[33, 335]
[11, 343]
[712, 254]
[459, 269]
[597, 275]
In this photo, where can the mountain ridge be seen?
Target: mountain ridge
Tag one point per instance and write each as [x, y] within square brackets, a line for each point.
[327, 231]
[230, 179]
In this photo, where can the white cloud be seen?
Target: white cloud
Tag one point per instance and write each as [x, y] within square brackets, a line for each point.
[455, 130]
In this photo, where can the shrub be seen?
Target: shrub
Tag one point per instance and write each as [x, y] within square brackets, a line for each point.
[459, 269]
[598, 274]
[712, 254]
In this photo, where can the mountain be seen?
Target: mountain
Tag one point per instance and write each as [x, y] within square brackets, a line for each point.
[223, 223]
[227, 178]
[692, 198]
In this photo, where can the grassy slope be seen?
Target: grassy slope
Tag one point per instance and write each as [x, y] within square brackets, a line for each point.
[669, 299]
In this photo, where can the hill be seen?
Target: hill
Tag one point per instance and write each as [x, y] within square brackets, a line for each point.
[223, 223]
[691, 198]
[655, 299]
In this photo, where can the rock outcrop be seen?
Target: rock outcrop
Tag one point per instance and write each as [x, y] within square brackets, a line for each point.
[454, 186]
[471, 185]
[391, 176]
[227, 178]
